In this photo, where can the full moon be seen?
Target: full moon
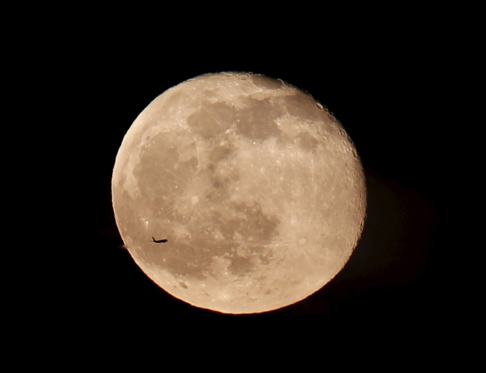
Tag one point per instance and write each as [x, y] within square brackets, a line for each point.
[256, 187]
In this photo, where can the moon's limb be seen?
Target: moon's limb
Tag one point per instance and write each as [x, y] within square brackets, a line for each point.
[257, 187]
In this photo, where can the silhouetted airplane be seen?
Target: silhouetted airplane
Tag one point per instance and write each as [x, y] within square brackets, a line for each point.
[158, 241]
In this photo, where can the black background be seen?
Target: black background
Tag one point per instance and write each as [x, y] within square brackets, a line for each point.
[382, 86]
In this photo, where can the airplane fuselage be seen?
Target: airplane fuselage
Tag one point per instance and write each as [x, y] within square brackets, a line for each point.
[159, 241]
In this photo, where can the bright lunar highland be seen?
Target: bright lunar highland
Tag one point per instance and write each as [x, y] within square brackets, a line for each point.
[255, 185]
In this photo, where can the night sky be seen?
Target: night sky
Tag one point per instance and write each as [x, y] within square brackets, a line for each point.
[381, 94]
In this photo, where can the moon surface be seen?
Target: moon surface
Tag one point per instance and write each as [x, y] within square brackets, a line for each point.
[255, 185]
